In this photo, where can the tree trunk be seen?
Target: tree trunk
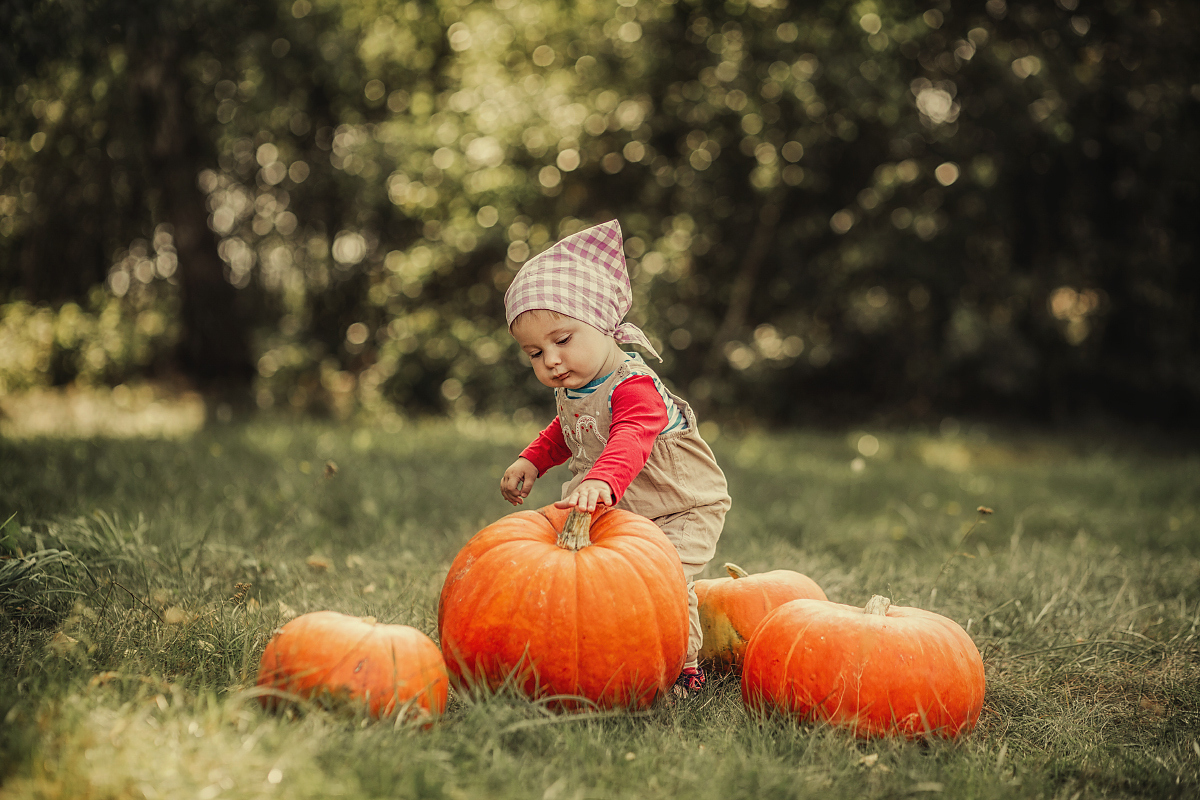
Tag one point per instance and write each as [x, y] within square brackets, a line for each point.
[742, 290]
[214, 347]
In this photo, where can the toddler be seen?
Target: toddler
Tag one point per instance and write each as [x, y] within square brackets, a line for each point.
[629, 441]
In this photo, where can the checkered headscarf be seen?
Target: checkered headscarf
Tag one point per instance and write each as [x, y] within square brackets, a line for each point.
[584, 277]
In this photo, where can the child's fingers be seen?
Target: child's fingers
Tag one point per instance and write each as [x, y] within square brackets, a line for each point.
[573, 499]
[586, 499]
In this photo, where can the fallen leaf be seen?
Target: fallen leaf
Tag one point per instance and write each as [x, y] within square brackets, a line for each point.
[1153, 706]
[319, 563]
[63, 644]
[103, 678]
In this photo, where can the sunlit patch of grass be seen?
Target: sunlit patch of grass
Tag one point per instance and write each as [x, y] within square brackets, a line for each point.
[1082, 592]
[140, 410]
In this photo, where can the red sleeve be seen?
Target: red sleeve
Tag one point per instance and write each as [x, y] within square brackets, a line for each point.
[638, 417]
[549, 449]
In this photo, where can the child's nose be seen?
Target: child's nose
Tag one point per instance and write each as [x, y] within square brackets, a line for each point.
[552, 356]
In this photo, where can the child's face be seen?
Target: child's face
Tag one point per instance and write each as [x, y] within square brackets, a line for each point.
[564, 351]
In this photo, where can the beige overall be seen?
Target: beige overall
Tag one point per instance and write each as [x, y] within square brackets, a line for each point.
[681, 488]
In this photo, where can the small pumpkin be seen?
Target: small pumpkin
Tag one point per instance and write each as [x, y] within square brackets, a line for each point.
[567, 604]
[329, 655]
[731, 608]
[877, 670]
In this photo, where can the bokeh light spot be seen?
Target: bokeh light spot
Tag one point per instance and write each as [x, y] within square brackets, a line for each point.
[946, 173]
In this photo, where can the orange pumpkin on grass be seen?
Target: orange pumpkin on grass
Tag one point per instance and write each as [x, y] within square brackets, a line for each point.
[387, 668]
[731, 608]
[567, 604]
[880, 670]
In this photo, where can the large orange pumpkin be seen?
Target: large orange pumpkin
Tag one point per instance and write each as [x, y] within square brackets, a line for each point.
[567, 604]
[879, 670]
[325, 654]
[731, 608]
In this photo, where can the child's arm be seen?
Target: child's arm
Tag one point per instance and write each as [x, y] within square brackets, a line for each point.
[549, 449]
[638, 416]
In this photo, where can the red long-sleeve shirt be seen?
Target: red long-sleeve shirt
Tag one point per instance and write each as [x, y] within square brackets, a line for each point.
[638, 416]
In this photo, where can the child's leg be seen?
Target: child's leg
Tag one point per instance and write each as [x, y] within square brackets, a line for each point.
[694, 534]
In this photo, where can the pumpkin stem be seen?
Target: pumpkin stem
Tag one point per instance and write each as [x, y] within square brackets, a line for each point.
[878, 605]
[574, 535]
[735, 571]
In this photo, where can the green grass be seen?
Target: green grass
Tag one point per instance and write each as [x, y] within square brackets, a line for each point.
[130, 677]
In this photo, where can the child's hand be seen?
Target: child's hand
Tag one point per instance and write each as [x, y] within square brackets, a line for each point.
[587, 495]
[518, 480]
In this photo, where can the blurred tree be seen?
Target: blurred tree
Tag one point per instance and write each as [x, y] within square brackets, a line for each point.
[828, 207]
[104, 95]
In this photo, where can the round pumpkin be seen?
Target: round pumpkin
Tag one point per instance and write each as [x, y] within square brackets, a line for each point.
[880, 670]
[327, 655]
[731, 608]
[567, 604]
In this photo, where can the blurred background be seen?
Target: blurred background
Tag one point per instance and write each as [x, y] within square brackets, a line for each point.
[833, 210]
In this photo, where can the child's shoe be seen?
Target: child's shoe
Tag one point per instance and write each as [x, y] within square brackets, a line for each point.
[689, 683]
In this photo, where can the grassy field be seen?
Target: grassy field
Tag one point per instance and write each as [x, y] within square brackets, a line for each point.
[130, 678]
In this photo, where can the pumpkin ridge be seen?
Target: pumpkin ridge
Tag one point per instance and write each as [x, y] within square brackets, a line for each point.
[868, 646]
[574, 638]
[939, 711]
[535, 594]
[658, 637]
[647, 599]
[787, 661]
[351, 650]
[481, 592]
[766, 604]
[614, 678]
[482, 565]
[479, 554]
[947, 654]
[516, 599]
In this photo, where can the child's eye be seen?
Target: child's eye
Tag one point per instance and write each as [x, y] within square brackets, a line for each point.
[538, 354]
[563, 340]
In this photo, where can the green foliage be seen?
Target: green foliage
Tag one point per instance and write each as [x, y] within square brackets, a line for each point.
[985, 207]
[109, 341]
